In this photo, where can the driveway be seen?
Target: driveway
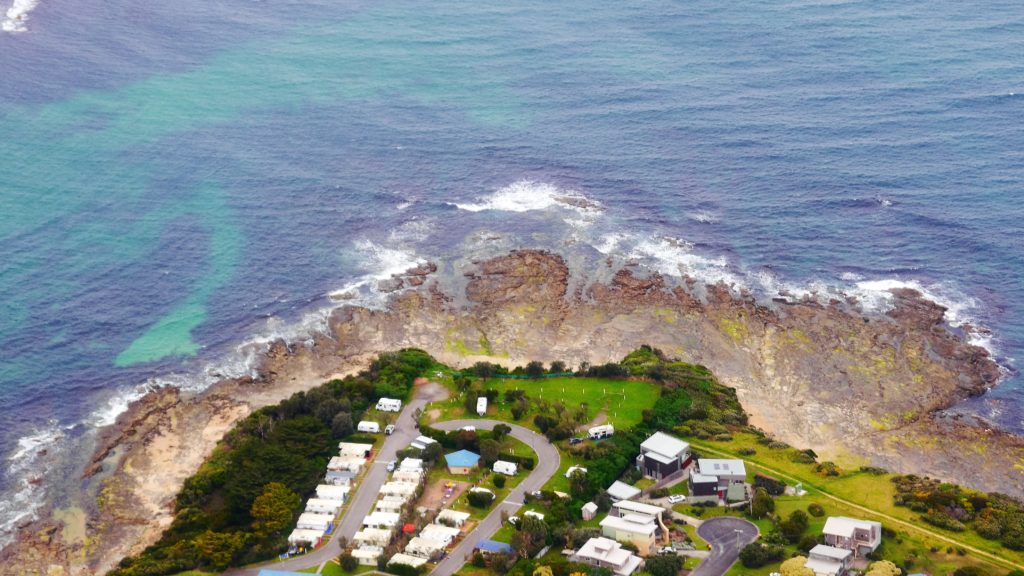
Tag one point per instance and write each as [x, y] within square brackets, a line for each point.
[727, 536]
[547, 464]
[366, 492]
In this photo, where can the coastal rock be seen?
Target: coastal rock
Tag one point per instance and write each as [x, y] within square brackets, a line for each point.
[390, 285]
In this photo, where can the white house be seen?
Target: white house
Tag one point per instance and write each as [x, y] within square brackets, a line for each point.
[305, 536]
[411, 465]
[440, 533]
[330, 492]
[424, 547]
[390, 504]
[481, 405]
[367, 555]
[506, 468]
[354, 449]
[602, 431]
[346, 463]
[621, 491]
[381, 520]
[320, 506]
[373, 537]
[421, 442]
[368, 427]
[339, 477]
[605, 553]
[398, 489]
[408, 560]
[829, 561]
[312, 521]
[861, 537]
[389, 405]
[448, 517]
[662, 455]
[407, 476]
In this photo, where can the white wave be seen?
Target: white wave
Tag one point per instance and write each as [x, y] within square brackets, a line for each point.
[527, 195]
[674, 257]
[703, 217]
[31, 462]
[17, 15]
[608, 243]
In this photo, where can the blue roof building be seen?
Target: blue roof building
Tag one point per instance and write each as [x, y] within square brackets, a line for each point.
[461, 462]
[492, 547]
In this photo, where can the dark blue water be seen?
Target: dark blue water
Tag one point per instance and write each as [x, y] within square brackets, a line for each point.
[179, 179]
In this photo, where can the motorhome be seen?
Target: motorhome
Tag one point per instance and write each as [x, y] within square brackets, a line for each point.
[368, 427]
[506, 468]
[389, 405]
[603, 431]
[481, 406]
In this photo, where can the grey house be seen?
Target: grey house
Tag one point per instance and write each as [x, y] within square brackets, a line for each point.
[662, 455]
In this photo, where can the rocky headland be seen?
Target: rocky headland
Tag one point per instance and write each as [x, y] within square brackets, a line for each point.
[856, 388]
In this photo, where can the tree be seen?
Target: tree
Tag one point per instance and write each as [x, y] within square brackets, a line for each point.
[219, 548]
[796, 566]
[534, 370]
[348, 562]
[489, 450]
[519, 409]
[579, 488]
[758, 554]
[762, 504]
[432, 452]
[499, 481]
[272, 510]
[341, 425]
[543, 571]
[500, 431]
[883, 568]
[794, 526]
[557, 367]
[667, 565]
[480, 499]
[531, 536]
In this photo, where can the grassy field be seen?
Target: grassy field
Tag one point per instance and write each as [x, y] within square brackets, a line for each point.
[847, 493]
[622, 401]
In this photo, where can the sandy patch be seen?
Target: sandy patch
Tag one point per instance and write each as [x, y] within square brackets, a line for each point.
[436, 496]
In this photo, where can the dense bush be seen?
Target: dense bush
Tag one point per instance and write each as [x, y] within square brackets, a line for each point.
[773, 486]
[480, 499]
[815, 509]
[759, 554]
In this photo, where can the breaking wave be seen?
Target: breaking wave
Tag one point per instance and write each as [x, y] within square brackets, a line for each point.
[16, 15]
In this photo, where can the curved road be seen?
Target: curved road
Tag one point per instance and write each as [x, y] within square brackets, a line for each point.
[727, 536]
[547, 464]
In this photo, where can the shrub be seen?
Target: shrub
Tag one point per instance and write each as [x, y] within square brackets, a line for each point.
[815, 509]
[873, 470]
[771, 485]
[348, 562]
[943, 520]
[827, 469]
[970, 571]
[747, 451]
[499, 481]
[660, 493]
[757, 554]
[480, 499]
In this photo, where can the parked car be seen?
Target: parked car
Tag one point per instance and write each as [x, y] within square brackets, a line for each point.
[676, 499]
[574, 441]
[391, 466]
[389, 429]
[468, 428]
[667, 550]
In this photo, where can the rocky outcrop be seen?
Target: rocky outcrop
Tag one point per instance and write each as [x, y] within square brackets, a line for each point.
[818, 375]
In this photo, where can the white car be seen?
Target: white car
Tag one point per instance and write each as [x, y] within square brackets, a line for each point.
[468, 428]
[389, 429]
[391, 466]
[676, 499]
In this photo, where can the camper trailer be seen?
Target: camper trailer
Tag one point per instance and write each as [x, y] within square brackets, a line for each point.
[481, 406]
[369, 427]
[506, 468]
[389, 405]
[603, 431]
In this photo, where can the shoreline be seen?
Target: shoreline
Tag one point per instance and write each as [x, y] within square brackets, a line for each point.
[520, 307]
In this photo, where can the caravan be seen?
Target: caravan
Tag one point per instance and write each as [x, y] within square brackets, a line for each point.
[506, 468]
[369, 427]
[603, 431]
[481, 405]
[389, 405]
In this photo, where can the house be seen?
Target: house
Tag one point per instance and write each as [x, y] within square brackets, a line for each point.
[421, 442]
[390, 504]
[389, 405]
[411, 465]
[573, 469]
[373, 537]
[312, 521]
[329, 492]
[481, 405]
[828, 560]
[354, 450]
[453, 518]
[407, 476]
[621, 491]
[589, 511]
[305, 536]
[339, 477]
[367, 555]
[703, 488]
[368, 427]
[381, 520]
[346, 463]
[603, 431]
[728, 472]
[714, 480]
[605, 553]
[440, 533]
[635, 522]
[861, 537]
[398, 489]
[506, 468]
[662, 455]
[408, 560]
[461, 462]
[424, 547]
[493, 547]
[319, 506]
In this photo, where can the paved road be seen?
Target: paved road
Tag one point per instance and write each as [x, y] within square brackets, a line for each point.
[547, 465]
[366, 492]
[727, 536]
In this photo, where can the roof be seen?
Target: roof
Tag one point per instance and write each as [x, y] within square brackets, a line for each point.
[462, 459]
[649, 509]
[455, 515]
[313, 519]
[323, 503]
[643, 525]
[492, 546]
[505, 464]
[305, 535]
[658, 457]
[843, 526]
[622, 491]
[664, 444]
[605, 550]
[590, 507]
[368, 551]
[340, 474]
[426, 543]
[408, 560]
[830, 552]
[720, 467]
[411, 464]
[824, 566]
[439, 532]
[703, 478]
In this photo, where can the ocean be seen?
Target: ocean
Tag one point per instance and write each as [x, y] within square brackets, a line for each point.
[182, 182]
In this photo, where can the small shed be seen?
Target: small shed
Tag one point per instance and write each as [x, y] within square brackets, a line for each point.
[461, 462]
[589, 511]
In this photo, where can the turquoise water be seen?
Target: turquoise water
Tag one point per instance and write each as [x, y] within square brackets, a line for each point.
[177, 180]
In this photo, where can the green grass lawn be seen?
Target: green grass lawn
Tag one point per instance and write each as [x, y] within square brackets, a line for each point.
[871, 491]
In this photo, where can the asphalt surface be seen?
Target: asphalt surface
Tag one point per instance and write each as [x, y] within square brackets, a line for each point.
[367, 490]
[727, 536]
[547, 464]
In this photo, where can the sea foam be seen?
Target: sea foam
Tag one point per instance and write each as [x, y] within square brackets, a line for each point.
[527, 196]
[17, 15]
